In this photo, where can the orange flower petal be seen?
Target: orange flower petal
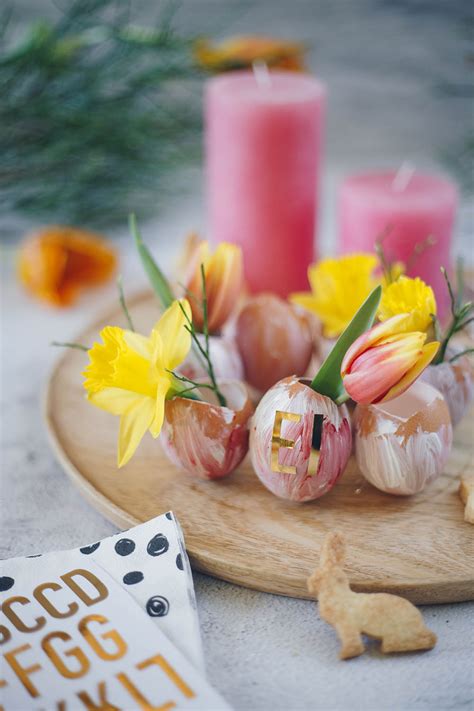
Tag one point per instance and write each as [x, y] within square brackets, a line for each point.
[241, 52]
[224, 274]
[57, 262]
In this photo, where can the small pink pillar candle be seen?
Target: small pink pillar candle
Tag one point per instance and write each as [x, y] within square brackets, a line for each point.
[406, 209]
[263, 151]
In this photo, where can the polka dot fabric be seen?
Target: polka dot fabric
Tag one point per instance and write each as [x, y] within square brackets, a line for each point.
[151, 564]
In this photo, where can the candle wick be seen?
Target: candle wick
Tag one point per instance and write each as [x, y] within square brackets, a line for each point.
[261, 74]
[403, 176]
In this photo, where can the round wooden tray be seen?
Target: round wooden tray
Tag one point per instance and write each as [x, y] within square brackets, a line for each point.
[419, 547]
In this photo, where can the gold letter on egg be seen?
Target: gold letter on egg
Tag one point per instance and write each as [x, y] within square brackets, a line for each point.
[279, 442]
[75, 652]
[120, 646]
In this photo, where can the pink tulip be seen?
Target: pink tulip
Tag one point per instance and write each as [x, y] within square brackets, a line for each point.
[383, 362]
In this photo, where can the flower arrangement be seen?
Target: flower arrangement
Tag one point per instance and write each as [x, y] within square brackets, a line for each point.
[181, 382]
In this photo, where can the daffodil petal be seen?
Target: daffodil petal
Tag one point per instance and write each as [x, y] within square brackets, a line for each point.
[428, 353]
[159, 412]
[140, 344]
[114, 400]
[135, 421]
[304, 299]
[175, 338]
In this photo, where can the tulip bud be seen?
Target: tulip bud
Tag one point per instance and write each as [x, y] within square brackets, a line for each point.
[383, 362]
[223, 273]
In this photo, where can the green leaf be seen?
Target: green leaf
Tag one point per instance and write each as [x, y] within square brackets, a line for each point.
[328, 380]
[156, 277]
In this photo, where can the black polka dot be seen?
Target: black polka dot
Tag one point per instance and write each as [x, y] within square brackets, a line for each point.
[6, 583]
[125, 546]
[87, 550]
[158, 545]
[179, 562]
[157, 606]
[132, 578]
[169, 516]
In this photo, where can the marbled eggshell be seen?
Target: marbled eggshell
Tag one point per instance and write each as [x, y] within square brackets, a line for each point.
[402, 445]
[455, 381]
[205, 439]
[291, 395]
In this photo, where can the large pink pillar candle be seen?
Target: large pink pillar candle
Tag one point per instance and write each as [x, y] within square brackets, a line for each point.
[406, 210]
[263, 151]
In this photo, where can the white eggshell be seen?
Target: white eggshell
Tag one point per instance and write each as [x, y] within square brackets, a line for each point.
[225, 358]
[455, 381]
[402, 445]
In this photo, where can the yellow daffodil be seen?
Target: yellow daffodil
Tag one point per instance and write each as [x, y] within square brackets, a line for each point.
[223, 271]
[129, 376]
[241, 52]
[338, 288]
[396, 270]
[409, 296]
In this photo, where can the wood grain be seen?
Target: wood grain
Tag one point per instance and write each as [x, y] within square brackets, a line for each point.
[419, 547]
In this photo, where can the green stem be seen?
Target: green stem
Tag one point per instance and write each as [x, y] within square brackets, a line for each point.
[123, 304]
[156, 277]
[194, 383]
[462, 353]
[205, 354]
[220, 397]
[77, 346]
[459, 312]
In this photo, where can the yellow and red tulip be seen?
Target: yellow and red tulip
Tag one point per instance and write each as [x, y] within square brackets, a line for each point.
[223, 271]
[383, 362]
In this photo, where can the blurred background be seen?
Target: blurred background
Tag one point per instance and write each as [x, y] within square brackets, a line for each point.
[399, 78]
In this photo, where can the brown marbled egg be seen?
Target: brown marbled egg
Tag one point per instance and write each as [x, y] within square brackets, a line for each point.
[274, 340]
